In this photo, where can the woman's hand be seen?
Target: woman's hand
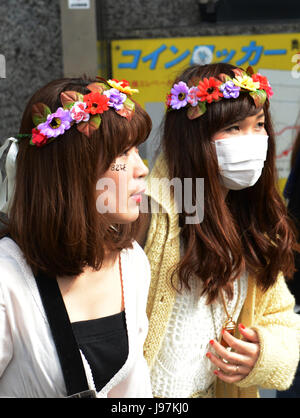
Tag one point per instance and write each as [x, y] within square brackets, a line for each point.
[234, 366]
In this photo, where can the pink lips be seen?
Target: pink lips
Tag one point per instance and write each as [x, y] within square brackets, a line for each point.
[138, 196]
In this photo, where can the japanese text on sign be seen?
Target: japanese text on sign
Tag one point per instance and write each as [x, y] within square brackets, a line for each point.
[201, 54]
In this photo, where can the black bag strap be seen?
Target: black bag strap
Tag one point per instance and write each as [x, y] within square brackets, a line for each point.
[66, 345]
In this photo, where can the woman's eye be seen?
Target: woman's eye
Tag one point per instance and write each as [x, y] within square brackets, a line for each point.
[261, 125]
[232, 128]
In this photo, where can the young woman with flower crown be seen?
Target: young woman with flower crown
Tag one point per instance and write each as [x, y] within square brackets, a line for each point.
[221, 321]
[73, 281]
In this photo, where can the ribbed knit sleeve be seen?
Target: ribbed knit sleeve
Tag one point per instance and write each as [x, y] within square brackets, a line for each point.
[162, 249]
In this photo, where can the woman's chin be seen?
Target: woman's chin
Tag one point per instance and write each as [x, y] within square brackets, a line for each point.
[125, 218]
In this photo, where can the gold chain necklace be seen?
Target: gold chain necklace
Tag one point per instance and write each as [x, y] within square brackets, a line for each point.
[229, 325]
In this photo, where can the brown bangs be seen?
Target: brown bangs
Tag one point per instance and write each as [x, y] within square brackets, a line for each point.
[125, 133]
[53, 216]
[220, 114]
[228, 111]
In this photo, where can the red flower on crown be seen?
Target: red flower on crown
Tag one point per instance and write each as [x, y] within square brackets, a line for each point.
[263, 83]
[208, 90]
[168, 100]
[96, 103]
[38, 138]
[123, 83]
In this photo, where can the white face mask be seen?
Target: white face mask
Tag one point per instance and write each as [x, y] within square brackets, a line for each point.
[241, 159]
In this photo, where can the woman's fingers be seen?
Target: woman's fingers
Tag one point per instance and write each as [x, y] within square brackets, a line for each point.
[231, 357]
[247, 347]
[229, 378]
[248, 333]
[235, 365]
[228, 368]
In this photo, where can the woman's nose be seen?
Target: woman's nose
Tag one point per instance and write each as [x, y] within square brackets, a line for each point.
[141, 170]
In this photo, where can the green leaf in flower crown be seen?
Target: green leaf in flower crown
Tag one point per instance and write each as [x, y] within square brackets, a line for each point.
[128, 109]
[126, 113]
[129, 104]
[68, 98]
[259, 97]
[87, 128]
[238, 72]
[39, 113]
[194, 81]
[195, 112]
[98, 87]
[250, 71]
[224, 77]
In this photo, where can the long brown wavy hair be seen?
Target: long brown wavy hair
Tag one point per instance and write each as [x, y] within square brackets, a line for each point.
[249, 229]
[53, 217]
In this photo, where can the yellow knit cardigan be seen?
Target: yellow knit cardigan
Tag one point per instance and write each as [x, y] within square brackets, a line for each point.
[270, 314]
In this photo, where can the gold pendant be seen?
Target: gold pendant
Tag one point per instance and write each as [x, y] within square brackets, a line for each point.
[228, 326]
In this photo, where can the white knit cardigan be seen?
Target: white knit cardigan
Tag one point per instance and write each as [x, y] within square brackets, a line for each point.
[29, 364]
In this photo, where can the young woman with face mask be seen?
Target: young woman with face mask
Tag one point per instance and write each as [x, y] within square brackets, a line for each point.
[221, 316]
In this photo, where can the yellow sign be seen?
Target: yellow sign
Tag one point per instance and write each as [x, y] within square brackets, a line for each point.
[152, 64]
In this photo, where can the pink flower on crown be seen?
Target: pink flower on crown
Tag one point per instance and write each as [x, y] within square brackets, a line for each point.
[193, 99]
[78, 112]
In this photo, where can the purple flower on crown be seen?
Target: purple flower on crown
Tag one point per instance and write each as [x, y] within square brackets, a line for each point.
[230, 90]
[56, 124]
[179, 95]
[193, 99]
[116, 98]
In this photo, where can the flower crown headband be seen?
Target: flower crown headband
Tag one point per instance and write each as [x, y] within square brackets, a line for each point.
[213, 89]
[82, 110]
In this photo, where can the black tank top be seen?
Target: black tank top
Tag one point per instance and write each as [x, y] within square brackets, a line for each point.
[104, 343]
